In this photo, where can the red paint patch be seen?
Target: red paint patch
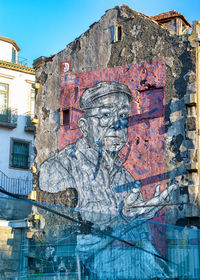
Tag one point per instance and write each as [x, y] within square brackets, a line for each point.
[144, 153]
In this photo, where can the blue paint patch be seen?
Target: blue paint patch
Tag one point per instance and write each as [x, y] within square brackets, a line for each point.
[133, 66]
[153, 150]
[143, 171]
[161, 130]
[163, 144]
[152, 131]
[121, 205]
[137, 171]
[72, 154]
[65, 80]
[100, 154]
[150, 92]
[153, 111]
[128, 152]
[122, 170]
[76, 94]
[127, 187]
[76, 81]
[142, 109]
[120, 124]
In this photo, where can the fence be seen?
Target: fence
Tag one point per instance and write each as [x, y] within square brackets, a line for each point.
[63, 243]
[8, 117]
[95, 246]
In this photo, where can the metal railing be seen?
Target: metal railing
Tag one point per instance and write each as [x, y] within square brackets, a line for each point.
[8, 117]
[29, 126]
[14, 185]
[22, 61]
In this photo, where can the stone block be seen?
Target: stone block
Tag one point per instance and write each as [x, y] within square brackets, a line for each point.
[6, 229]
[191, 211]
[3, 237]
[192, 167]
[190, 99]
[29, 234]
[193, 155]
[192, 135]
[193, 193]
[191, 123]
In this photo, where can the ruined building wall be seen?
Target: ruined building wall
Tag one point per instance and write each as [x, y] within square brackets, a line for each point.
[143, 40]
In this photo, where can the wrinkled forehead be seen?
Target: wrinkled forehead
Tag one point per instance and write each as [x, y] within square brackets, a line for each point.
[118, 99]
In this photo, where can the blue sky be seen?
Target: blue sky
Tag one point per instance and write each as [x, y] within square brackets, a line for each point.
[45, 27]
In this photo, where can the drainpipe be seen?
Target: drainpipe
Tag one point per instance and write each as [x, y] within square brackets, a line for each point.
[197, 40]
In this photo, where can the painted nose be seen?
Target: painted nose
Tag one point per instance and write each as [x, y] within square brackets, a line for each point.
[120, 124]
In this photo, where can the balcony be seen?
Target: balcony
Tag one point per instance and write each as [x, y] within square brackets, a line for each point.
[29, 127]
[22, 61]
[15, 185]
[8, 117]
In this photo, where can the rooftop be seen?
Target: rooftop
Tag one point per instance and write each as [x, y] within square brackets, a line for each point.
[11, 42]
[163, 17]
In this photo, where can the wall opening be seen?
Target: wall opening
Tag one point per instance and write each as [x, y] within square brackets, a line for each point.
[119, 33]
[66, 117]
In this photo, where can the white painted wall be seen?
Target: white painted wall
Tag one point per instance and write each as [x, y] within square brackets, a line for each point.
[6, 51]
[19, 92]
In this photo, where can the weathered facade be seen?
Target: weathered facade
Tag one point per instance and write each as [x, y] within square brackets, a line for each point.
[154, 57]
[143, 40]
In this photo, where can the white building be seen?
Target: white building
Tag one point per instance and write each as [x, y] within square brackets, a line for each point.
[17, 99]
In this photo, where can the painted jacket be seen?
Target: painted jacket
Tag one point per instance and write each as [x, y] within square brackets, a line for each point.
[101, 183]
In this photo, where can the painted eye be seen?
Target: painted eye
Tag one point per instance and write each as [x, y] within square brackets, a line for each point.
[123, 115]
[106, 115]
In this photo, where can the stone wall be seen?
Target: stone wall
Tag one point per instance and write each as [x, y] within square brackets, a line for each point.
[143, 40]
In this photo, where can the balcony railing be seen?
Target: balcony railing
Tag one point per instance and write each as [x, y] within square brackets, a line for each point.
[8, 117]
[15, 186]
[29, 127]
[22, 61]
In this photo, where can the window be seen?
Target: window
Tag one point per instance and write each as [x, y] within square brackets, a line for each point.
[116, 33]
[119, 33]
[19, 157]
[13, 55]
[66, 117]
[3, 96]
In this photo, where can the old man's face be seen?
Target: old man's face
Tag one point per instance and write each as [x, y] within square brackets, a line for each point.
[107, 122]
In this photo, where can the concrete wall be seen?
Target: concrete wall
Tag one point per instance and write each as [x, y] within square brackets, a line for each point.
[20, 85]
[6, 51]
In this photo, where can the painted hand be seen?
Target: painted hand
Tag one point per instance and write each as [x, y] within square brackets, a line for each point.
[136, 207]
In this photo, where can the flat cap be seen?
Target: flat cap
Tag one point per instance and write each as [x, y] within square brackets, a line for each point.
[102, 89]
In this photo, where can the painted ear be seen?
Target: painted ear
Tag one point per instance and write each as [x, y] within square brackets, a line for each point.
[83, 125]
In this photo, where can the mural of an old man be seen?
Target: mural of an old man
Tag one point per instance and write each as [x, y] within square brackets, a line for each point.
[92, 166]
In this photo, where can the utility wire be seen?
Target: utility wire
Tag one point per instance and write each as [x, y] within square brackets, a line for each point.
[97, 231]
